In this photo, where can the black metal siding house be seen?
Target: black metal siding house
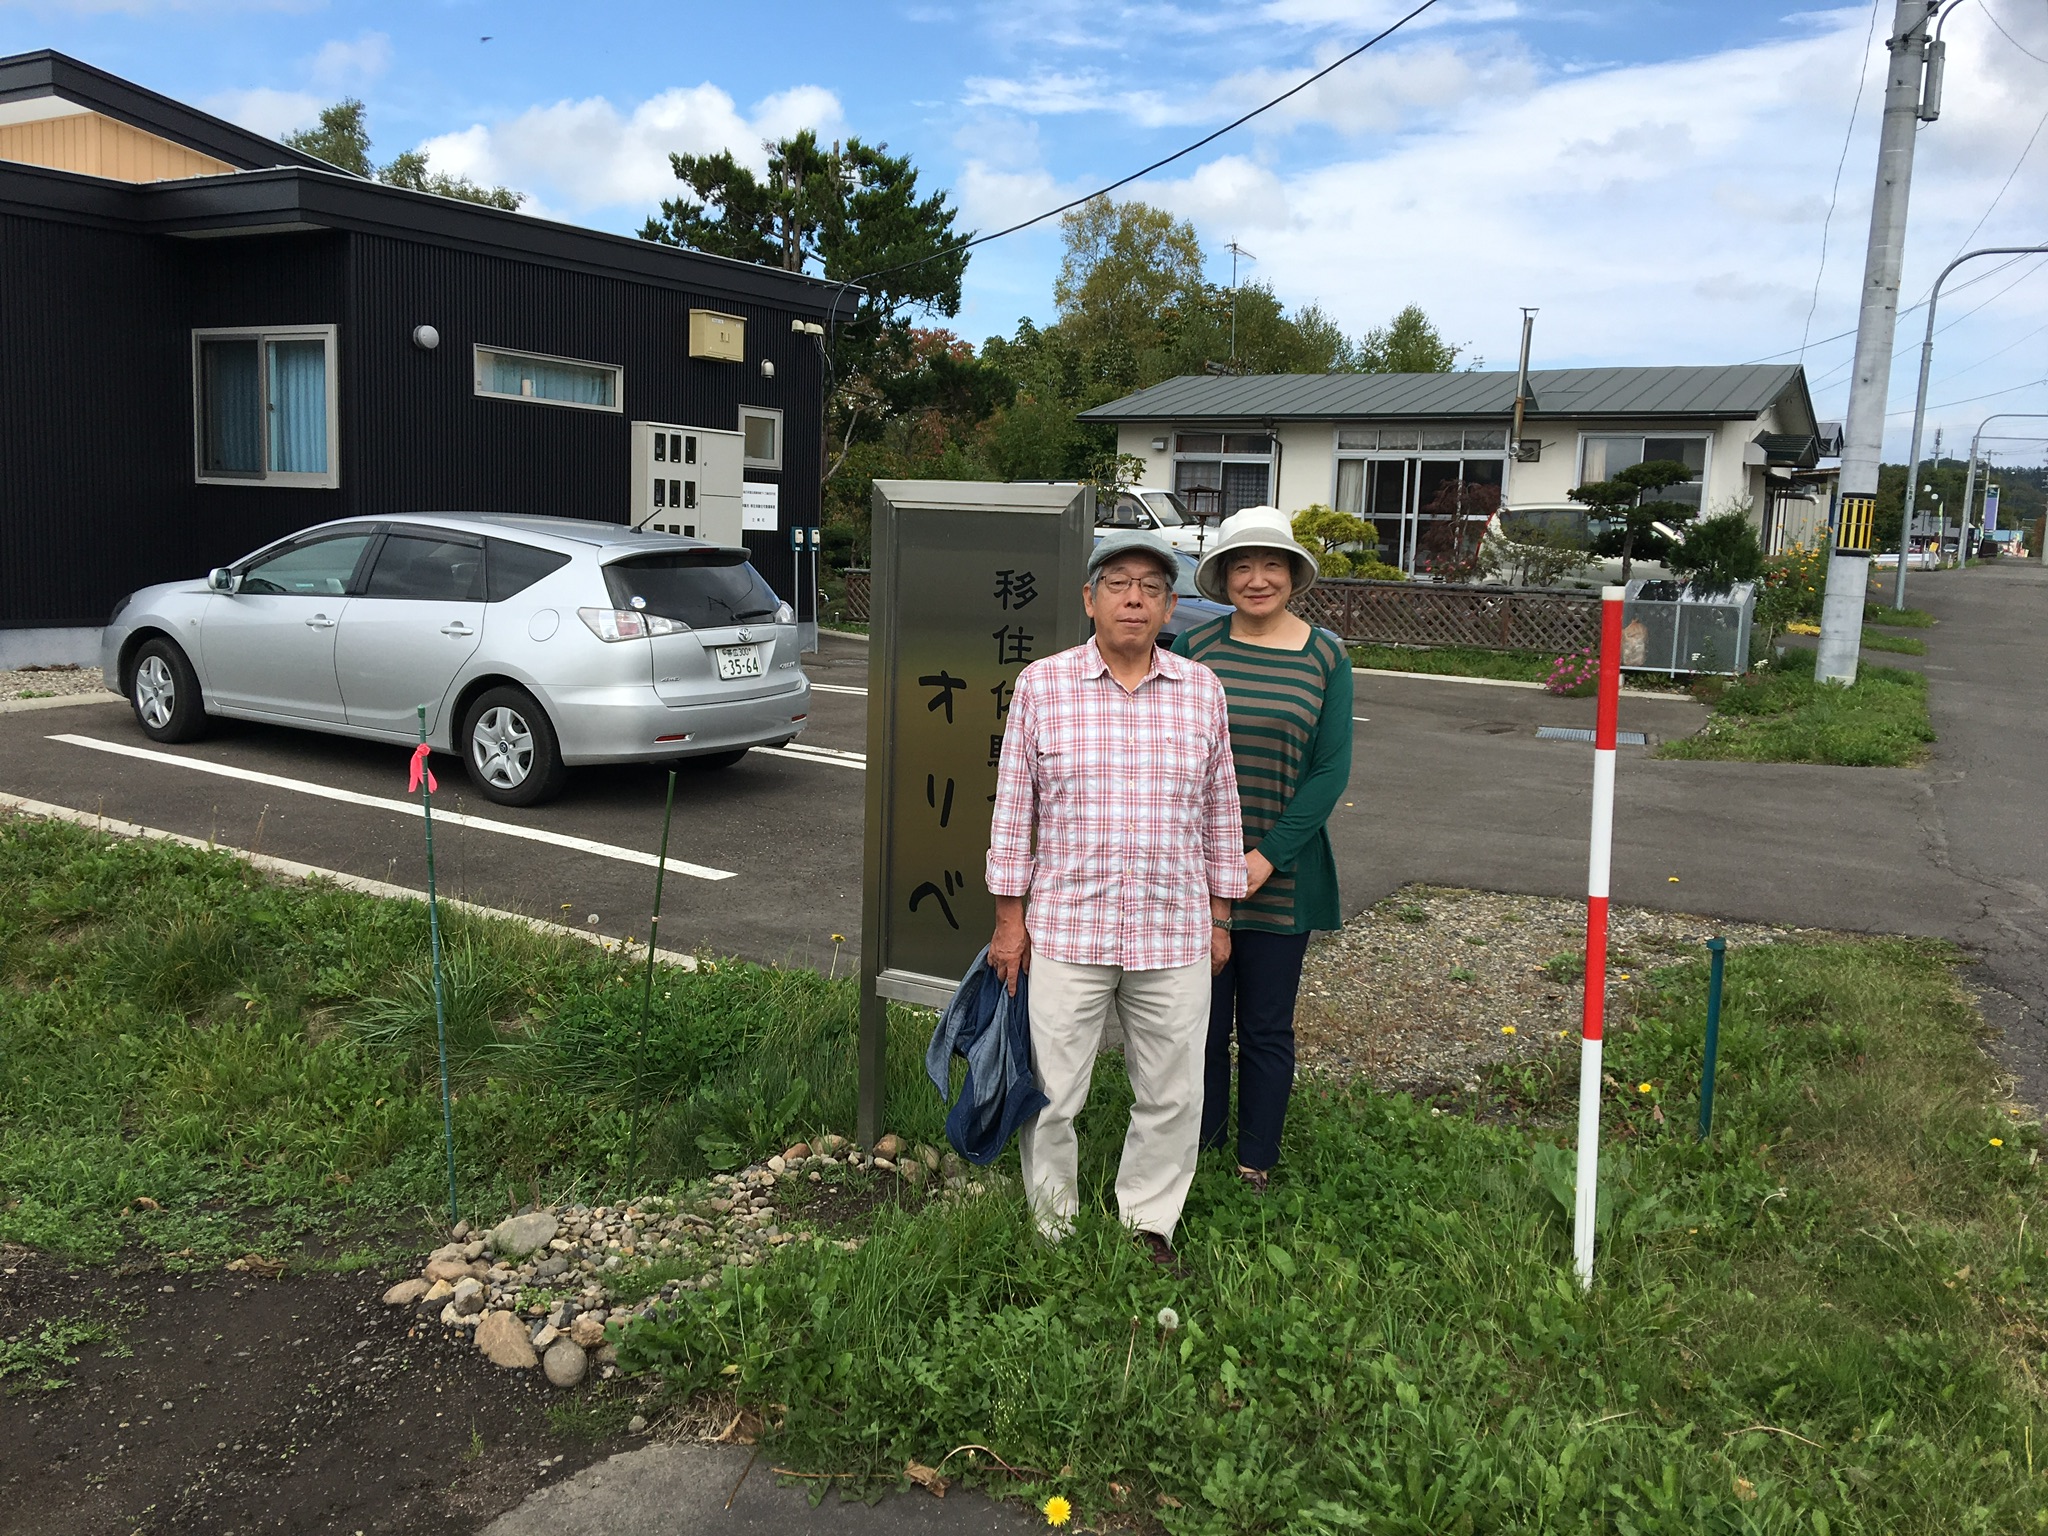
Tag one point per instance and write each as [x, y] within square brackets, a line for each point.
[208, 340]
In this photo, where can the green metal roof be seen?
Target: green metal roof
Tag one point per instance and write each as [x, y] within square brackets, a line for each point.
[1634, 393]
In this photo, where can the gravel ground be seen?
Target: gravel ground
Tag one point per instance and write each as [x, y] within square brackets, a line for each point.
[48, 682]
[1430, 987]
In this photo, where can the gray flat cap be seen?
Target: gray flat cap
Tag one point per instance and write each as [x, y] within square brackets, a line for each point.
[1134, 541]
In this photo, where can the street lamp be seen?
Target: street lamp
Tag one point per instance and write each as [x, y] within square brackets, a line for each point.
[1970, 475]
[1920, 399]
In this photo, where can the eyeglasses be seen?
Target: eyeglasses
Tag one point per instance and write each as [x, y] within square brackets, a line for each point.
[1152, 586]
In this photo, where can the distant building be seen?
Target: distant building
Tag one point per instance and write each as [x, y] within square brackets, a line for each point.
[1386, 446]
[211, 341]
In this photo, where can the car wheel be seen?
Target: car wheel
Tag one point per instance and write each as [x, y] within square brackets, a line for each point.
[509, 746]
[164, 691]
[717, 760]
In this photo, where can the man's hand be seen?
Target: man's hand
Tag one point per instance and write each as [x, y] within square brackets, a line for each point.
[1009, 950]
[1219, 949]
[1258, 870]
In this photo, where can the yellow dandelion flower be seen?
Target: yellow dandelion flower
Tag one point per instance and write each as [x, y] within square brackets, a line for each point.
[1562, 1033]
[1998, 1141]
[1507, 1029]
[1058, 1511]
[838, 938]
[1642, 1087]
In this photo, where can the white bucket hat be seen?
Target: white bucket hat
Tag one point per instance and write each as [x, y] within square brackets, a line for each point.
[1253, 528]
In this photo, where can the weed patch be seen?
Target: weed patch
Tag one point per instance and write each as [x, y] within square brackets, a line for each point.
[1785, 716]
[1455, 661]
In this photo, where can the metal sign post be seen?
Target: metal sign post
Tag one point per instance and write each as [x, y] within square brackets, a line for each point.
[972, 582]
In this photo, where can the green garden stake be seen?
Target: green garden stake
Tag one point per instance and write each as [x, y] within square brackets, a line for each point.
[647, 993]
[1717, 950]
[423, 781]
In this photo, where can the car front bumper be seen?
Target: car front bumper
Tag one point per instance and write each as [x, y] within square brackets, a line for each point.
[631, 724]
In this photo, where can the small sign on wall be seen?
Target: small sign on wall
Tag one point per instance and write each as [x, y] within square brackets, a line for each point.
[760, 507]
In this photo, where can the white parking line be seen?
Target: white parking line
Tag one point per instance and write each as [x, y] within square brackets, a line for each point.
[837, 688]
[399, 807]
[804, 754]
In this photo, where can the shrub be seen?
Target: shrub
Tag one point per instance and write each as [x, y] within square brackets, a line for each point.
[1575, 674]
[1718, 552]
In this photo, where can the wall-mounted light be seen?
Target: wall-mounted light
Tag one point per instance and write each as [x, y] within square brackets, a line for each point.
[425, 337]
[806, 328]
[767, 369]
[1159, 445]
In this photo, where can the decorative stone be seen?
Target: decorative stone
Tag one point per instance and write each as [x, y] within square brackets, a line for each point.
[929, 1156]
[544, 1339]
[890, 1146]
[504, 1343]
[797, 1153]
[405, 1293]
[450, 1270]
[637, 1425]
[587, 1331]
[517, 1236]
[440, 1290]
[468, 1298]
[459, 1232]
[565, 1363]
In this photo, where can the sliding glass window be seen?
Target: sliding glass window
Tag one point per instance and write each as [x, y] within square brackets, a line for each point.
[540, 380]
[263, 407]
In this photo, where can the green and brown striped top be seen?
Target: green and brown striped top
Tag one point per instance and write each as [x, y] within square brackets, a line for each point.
[1290, 734]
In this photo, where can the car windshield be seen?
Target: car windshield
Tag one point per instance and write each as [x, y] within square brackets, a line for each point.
[1166, 507]
[702, 588]
[1184, 578]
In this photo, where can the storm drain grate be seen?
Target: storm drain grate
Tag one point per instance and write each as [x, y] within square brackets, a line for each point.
[1580, 733]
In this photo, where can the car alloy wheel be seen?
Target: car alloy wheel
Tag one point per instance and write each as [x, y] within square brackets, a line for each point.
[156, 692]
[501, 746]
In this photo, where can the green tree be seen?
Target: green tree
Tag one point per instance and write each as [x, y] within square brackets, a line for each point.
[1409, 343]
[342, 139]
[1718, 551]
[1123, 268]
[1630, 518]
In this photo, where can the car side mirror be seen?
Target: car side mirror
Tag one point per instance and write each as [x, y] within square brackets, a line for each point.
[221, 579]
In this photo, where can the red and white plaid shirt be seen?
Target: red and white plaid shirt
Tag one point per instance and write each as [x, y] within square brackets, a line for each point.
[1133, 797]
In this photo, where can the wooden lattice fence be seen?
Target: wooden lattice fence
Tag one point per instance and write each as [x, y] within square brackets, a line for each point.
[1423, 613]
[1415, 613]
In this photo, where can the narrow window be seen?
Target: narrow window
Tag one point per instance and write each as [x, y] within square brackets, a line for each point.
[507, 375]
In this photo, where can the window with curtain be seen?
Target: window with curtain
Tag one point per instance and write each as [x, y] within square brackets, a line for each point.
[547, 380]
[1604, 457]
[263, 406]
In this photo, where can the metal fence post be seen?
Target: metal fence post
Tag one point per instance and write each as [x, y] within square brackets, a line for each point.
[1717, 950]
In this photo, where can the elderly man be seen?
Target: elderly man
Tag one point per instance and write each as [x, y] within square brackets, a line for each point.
[1117, 814]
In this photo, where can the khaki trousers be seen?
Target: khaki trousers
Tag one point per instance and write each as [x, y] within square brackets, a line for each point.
[1165, 1016]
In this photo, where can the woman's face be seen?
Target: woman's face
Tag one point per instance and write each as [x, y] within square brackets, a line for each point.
[1258, 582]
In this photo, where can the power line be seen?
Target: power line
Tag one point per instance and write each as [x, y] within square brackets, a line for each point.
[1988, 357]
[1973, 399]
[2023, 48]
[1138, 175]
[2007, 183]
[1848, 134]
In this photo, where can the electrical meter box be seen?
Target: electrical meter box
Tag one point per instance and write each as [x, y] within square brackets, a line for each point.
[687, 480]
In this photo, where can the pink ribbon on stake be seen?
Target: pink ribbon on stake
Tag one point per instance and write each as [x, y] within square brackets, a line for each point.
[420, 767]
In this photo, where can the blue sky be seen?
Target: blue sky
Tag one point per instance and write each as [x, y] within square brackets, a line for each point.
[1654, 175]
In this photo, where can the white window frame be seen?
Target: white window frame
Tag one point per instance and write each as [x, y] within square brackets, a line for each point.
[747, 459]
[1411, 515]
[1701, 434]
[1270, 458]
[327, 480]
[480, 350]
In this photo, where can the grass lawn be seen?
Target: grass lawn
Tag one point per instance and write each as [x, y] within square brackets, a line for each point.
[1897, 618]
[1824, 1319]
[1784, 716]
[1455, 660]
[1903, 645]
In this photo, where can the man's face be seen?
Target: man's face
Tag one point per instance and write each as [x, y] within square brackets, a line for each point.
[1129, 600]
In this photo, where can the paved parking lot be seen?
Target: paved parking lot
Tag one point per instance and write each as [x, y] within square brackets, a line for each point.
[1450, 785]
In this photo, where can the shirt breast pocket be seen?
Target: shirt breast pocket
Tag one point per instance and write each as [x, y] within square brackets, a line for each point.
[1183, 764]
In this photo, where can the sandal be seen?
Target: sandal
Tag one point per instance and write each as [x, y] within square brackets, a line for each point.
[1255, 1179]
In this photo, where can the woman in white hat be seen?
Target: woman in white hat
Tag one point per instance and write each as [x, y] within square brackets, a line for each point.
[1289, 690]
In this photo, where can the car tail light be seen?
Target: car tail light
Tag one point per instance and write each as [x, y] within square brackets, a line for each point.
[614, 624]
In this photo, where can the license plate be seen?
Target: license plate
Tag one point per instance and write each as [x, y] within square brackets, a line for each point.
[738, 660]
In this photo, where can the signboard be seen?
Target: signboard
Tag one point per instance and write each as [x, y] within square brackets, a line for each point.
[760, 507]
[973, 581]
[1991, 509]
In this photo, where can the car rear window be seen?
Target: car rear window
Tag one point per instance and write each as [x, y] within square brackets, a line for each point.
[511, 568]
[702, 588]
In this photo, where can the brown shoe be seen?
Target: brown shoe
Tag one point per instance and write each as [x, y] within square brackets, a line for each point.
[1255, 1179]
[1156, 1248]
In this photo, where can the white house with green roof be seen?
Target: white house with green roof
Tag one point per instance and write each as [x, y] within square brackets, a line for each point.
[1394, 447]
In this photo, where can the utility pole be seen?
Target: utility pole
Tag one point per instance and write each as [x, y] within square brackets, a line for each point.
[1841, 620]
[1236, 251]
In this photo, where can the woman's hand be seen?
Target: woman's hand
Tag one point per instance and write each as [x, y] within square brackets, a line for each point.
[1258, 870]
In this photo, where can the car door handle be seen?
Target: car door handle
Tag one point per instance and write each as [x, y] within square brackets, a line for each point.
[319, 621]
[457, 628]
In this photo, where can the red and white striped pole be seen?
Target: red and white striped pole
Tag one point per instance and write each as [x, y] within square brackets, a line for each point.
[1587, 1189]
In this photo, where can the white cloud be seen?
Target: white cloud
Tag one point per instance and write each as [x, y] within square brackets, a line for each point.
[340, 65]
[268, 112]
[1373, 15]
[581, 156]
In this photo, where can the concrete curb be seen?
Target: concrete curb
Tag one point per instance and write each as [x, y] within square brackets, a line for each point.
[1492, 682]
[16, 706]
[291, 869]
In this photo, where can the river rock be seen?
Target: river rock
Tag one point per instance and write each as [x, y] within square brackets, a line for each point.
[797, 1153]
[440, 1290]
[517, 1236]
[503, 1342]
[929, 1156]
[565, 1363]
[450, 1270]
[890, 1146]
[468, 1298]
[587, 1331]
[405, 1293]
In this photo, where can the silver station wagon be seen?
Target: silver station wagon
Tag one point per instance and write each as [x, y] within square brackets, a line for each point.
[534, 643]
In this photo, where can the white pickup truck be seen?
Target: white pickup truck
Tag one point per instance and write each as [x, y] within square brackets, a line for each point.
[1155, 511]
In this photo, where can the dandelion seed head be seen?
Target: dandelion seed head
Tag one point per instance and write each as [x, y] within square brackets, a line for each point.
[1168, 1319]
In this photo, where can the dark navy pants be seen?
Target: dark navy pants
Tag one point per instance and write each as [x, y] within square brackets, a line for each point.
[1253, 997]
